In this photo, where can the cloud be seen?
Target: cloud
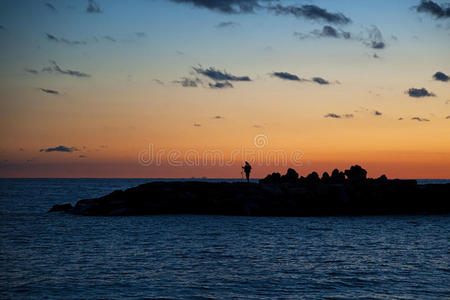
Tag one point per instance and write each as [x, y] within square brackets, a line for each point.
[227, 24]
[217, 117]
[217, 75]
[419, 93]
[187, 82]
[59, 148]
[400, 119]
[439, 76]
[420, 119]
[375, 55]
[53, 38]
[110, 38]
[31, 71]
[158, 81]
[224, 6]
[197, 125]
[2, 27]
[82, 156]
[47, 91]
[447, 117]
[50, 7]
[336, 116]
[372, 37]
[93, 7]
[311, 12]
[57, 69]
[434, 9]
[375, 39]
[320, 80]
[141, 34]
[286, 76]
[377, 113]
[220, 85]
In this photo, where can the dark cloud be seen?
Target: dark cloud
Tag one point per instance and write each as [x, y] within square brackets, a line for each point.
[31, 71]
[217, 117]
[336, 116]
[400, 119]
[57, 69]
[220, 85]
[440, 76]
[50, 7]
[320, 80]
[93, 7]
[419, 93]
[227, 24]
[141, 34]
[196, 125]
[332, 115]
[47, 91]
[59, 149]
[375, 55]
[52, 37]
[420, 119]
[286, 76]
[377, 113]
[217, 75]
[187, 82]
[311, 12]
[224, 6]
[434, 9]
[447, 117]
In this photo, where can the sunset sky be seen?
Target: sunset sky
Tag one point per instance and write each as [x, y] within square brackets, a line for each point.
[90, 88]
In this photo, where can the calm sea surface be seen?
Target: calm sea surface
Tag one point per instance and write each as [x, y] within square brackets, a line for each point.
[60, 256]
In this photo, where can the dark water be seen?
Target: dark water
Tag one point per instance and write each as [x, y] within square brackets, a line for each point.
[73, 257]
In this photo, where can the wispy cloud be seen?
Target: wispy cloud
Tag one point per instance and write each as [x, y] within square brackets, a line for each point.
[224, 6]
[310, 12]
[50, 7]
[59, 70]
[320, 80]
[227, 24]
[59, 148]
[197, 125]
[56, 39]
[336, 116]
[220, 85]
[377, 113]
[439, 76]
[158, 81]
[419, 93]
[31, 71]
[48, 91]
[217, 75]
[188, 82]
[217, 117]
[420, 119]
[93, 7]
[141, 34]
[82, 156]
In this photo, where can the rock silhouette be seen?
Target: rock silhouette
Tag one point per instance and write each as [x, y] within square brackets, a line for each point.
[349, 193]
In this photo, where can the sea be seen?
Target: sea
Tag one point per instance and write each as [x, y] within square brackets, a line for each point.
[61, 256]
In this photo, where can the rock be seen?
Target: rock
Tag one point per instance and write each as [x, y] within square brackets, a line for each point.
[61, 207]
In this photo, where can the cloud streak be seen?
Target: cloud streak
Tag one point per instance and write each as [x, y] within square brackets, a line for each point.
[336, 116]
[48, 91]
[187, 82]
[286, 76]
[217, 75]
[420, 119]
[56, 68]
[227, 24]
[59, 148]
[310, 12]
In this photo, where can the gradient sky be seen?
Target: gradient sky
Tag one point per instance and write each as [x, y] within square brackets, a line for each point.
[88, 86]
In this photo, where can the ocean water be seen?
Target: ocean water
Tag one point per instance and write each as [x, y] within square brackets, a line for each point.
[59, 256]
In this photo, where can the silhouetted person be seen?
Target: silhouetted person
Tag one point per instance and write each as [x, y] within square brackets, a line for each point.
[247, 169]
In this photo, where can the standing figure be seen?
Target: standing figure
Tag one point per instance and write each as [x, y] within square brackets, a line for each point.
[247, 169]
